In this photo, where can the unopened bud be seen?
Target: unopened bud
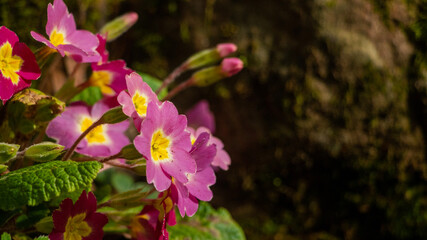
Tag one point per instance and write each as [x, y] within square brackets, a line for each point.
[7, 151]
[231, 66]
[210, 75]
[225, 49]
[114, 115]
[43, 152]
[119, 25]
[210, 56]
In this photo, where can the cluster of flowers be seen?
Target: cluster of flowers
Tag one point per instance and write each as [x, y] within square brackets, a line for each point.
[180, 160]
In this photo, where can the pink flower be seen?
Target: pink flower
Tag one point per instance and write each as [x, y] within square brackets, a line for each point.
[136, 100]
[79, 220]
[18, 64]
[186, 194]
[221, 159]
[165, 144]
[61, 28]
[104, 140]
[201, 116]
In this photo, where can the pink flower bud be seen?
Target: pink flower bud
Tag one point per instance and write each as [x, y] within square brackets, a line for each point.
[130, 18]
[231, 66]
[225, 49]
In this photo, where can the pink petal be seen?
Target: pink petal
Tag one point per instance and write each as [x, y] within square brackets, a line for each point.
[161, 180]
[126, 101]
[201, 115]
[181, 164]
[42, 39]
[84, 40]
[199, 184]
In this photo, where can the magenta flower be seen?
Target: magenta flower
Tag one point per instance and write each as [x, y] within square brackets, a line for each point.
[102, 49]
[151, 222]
[165, 144]
[108, 76]
[186, 194]
[136, 100]
[221, 159]
[104, 140]
[61, 28]
[79, 220]
[18, 65]
[201, 116]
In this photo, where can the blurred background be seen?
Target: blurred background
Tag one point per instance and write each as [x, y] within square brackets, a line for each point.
[326, 124]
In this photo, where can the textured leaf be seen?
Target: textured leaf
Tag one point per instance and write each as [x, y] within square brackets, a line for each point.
[207, 224]
[39, 183]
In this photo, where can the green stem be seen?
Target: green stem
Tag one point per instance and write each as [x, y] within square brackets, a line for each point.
[86, 132]
[172, 76]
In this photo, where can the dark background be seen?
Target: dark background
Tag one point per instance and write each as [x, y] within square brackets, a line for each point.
[325, 125]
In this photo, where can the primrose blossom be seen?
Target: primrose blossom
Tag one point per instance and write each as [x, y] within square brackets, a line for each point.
[18, 64]
[104, 140]
[65, 38]
[165, 144]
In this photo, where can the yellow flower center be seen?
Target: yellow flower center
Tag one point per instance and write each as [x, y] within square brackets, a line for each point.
[94, 136]
[102, 79]
[159, 146]
[9, 65]
[193, 139]
[140, 103]
[77, 228]
[57, 38]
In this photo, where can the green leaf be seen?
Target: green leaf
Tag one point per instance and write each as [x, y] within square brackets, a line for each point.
[90, 95]
[6, 236]
[207, 224]
[39, 183]
[45, 225]
[43, 152]
[154, 83]
[28, 112]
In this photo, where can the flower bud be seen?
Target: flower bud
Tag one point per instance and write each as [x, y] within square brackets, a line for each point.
[231, 66]
[225, 49]
[43, 152]
[209, 56]
[119, 25]
[210, 75]
[7, 151]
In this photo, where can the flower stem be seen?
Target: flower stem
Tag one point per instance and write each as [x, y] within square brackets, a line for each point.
[172, 76]
[178, 89]
[72, 148]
